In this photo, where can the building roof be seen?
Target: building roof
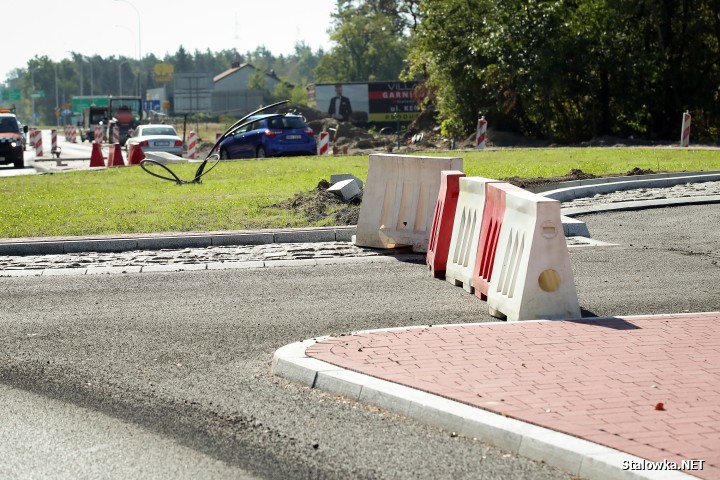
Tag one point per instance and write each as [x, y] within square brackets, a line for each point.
[235, 67]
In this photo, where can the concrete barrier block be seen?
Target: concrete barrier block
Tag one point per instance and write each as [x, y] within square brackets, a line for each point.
[336, 178]
[345, 189]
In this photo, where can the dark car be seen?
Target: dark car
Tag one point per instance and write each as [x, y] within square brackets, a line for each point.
[269, 136]
[12, 144]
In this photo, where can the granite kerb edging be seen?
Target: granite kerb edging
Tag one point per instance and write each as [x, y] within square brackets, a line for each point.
[160, 242]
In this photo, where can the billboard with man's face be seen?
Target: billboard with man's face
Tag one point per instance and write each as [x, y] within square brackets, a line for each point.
[373, 102]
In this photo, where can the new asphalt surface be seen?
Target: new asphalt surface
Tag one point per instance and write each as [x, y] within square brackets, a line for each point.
[595, 397]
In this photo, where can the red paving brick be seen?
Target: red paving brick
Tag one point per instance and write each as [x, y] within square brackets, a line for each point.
[598, 379]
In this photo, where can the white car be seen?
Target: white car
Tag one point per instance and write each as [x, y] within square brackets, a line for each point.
[157, 138]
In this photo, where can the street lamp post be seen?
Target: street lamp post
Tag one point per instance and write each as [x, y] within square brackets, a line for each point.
[137, 12]
[120, 75]
[82, 59]
[32, 95]
[57, 103]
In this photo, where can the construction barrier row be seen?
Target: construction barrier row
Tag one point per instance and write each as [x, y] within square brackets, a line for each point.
[507, 246]
[502, 243]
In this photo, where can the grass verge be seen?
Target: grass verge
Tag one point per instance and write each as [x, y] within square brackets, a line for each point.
[240, 195]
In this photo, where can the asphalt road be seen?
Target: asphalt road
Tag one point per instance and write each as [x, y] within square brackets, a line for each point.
[182, 360]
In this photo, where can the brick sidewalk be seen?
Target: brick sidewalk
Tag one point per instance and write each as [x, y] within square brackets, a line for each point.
[599, 379]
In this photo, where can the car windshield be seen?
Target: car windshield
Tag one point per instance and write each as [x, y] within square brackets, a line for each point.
[8, 124]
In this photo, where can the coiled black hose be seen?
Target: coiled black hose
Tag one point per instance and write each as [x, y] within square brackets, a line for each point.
[201, 172]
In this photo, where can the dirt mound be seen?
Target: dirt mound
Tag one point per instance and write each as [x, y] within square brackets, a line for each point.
[319, 204]
[574, 174]
[639, 171]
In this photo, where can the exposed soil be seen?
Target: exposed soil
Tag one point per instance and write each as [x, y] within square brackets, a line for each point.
[574, 174]
[319, 204]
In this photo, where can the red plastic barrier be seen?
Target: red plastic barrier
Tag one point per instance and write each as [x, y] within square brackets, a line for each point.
[442, 227]
[492, 220]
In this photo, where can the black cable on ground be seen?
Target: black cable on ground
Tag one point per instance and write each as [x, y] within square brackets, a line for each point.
[201, 172]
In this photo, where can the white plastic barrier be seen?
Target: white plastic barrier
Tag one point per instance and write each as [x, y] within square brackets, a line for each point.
[399, 200]
[466, 232]
[532, 278]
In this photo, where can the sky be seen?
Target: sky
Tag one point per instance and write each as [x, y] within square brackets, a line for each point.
[110, 27]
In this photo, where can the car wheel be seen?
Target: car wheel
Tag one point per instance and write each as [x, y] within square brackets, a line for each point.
[19, 163]
[260, 152]
[224, 154]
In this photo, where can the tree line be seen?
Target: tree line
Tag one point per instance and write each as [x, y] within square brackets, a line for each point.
[563, 70]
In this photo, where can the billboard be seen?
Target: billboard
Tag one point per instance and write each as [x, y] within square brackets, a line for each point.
[373, 102]
[193, 92]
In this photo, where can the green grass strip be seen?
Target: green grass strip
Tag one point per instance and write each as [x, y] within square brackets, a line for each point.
[238, 195]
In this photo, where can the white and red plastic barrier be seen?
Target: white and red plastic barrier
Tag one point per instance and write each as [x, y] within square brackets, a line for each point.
[192, 144]
[521, 263]
[36, 141]
[532, 278]
[685, 132]
[481, 134]
[54, 149]
[98, 134]
[493, 216]
[442, 228]
[70, 134]
[115, 138]
[466, 232]
[324, 144]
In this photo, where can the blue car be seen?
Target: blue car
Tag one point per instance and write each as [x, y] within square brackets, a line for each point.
[272, 135]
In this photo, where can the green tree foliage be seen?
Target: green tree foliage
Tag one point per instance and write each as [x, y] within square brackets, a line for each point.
[569, 70]
[368, 43]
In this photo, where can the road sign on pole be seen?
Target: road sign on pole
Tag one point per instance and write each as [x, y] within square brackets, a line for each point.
[10, 94]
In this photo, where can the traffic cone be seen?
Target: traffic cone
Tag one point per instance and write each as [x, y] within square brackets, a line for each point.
[135, 154]
[96, 158]
[115, 158]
